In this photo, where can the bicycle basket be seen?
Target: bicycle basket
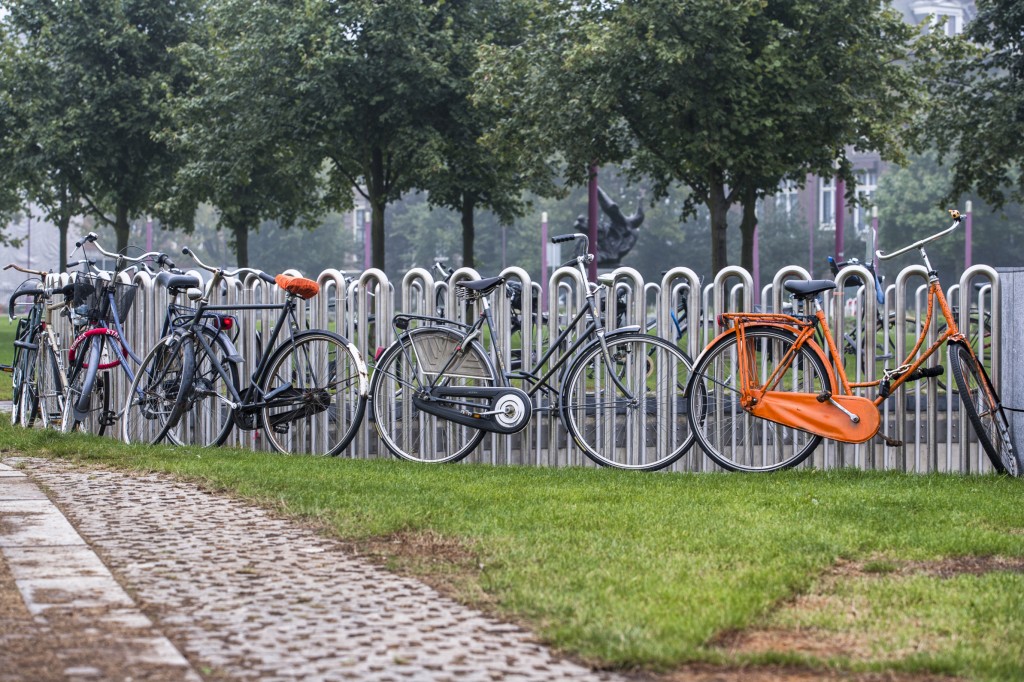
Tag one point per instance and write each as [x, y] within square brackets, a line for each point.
[91, 300]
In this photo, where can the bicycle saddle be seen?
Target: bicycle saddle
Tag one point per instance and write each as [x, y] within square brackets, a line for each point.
[480, 287]
[298, 286]
[175, 282]
[809, 289]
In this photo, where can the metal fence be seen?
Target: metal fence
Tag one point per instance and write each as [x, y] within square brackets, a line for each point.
[925, 415]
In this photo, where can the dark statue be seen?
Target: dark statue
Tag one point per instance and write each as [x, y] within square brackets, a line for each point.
[616, 235]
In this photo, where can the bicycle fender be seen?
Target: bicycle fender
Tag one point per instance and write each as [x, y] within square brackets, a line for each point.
[630, 329]
[364, 380]
[231, 353]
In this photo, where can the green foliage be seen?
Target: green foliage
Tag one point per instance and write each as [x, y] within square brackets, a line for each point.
[465, 175]
[911, 202]
[237, 127]
[86, 83]
[977, 117]
[728, 98]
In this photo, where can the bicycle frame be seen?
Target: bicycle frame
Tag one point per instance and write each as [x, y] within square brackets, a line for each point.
[753, 394]
[251, 398]
[536, 381]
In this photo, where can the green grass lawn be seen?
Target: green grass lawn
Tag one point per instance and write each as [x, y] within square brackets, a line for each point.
[653, 571]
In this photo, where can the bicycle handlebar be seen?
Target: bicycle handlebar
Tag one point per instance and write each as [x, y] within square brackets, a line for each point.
[227, 273]
[27, 271]
[584, 259]
[955, 214]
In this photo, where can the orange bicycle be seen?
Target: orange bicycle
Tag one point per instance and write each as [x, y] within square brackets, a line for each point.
[763, 394]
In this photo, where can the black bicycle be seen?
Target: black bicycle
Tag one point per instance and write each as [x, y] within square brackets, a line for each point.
[436, 391]
[37, 370]
[306, 395]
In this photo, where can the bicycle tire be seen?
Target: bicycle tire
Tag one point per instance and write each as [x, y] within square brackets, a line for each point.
[408, 432]
[28, 398]
[205, 418]
[983, 409]
[156, 396]
[87, 389]
[606, 423]
[730, 436]
[49, 387]
[320, 384]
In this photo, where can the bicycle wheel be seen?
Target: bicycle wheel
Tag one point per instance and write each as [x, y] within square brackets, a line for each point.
[155, 399]
[49, 387]
[983, 409]
[87, 390]
[643, 427]
[733, 438]
[315, 387]
[206, 415]
[408, 432]
[28, 397]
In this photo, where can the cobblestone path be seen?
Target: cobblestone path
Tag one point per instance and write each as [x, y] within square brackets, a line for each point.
[245, 595]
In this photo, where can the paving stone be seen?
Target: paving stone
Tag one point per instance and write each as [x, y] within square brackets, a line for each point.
[250, 595]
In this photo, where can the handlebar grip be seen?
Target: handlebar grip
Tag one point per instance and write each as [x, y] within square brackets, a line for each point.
[187, 251]
[91, 237]
[165, 260]
[559, 238]
[267, 278]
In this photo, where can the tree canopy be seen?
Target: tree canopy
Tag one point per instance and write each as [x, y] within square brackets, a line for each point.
[88, 78]
[977, 121]
[729, 98]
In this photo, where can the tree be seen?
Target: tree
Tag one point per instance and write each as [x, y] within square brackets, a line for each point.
[111, 64]
[729, 98]
[235, 130]
[467, 176]
[911, 201]
[363, 84]
[978, 115]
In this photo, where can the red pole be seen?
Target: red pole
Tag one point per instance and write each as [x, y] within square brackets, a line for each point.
[592, 206]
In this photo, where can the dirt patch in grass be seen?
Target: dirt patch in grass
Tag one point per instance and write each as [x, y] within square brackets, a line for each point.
[449, 565]
[949, 567]
[825, 645]
[771, 673]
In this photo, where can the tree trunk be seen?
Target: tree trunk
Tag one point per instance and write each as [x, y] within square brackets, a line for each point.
[468, 231]
[719, 207]
[377, 195]
[240, 231]
[121, 227]
[63, 222]
[748, 225]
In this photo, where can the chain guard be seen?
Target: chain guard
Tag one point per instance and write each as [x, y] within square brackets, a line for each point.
[513, 407]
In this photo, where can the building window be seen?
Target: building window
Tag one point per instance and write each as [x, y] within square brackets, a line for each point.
[944, 16]
[787, 197]
[827, 203]
[867, 184]
[359, 224]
